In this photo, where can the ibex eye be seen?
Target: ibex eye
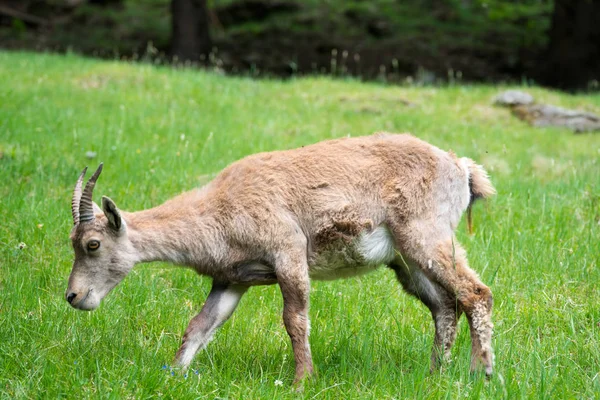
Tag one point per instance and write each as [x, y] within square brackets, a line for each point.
[93, 245]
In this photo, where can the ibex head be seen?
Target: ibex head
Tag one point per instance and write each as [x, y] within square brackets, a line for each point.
[103, 252]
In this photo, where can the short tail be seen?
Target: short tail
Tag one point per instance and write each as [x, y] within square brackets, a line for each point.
[480, 187]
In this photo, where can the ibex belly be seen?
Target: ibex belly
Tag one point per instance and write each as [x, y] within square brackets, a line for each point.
[348, 257]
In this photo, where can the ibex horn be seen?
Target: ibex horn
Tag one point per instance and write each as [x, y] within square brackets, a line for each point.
[77, 197]
[86, 206]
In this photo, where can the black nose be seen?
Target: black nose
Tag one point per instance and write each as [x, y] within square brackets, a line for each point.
[70, 297]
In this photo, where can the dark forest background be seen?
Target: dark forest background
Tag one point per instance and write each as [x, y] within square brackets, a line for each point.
[550, 42]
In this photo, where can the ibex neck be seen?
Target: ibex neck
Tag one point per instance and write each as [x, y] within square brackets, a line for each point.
[175, 232]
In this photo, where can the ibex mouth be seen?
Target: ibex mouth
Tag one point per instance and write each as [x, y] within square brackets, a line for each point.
[82, 305]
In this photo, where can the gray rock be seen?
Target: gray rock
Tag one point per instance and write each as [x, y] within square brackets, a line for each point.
[545, 115]
[513, 98]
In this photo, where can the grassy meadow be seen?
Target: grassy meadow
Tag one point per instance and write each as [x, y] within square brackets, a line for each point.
[161, 131]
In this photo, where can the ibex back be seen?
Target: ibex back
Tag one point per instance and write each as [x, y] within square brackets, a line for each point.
[334, 209]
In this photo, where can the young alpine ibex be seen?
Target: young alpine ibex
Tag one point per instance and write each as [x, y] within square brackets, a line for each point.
[335, 209]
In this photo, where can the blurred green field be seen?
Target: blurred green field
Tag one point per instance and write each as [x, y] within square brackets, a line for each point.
[160, 131]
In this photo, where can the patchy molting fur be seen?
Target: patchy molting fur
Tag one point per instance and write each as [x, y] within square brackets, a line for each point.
[334, 209]
[364, 253]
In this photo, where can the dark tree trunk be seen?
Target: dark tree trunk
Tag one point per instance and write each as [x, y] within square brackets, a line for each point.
[190, 34]
[572, 59]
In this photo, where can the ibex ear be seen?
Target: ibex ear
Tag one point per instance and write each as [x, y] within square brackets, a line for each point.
[112, 213]
[97, 209]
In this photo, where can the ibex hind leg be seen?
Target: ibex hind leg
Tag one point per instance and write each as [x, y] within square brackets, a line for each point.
[443, 306]
[444, 262]
[220, 304]
[450, 268]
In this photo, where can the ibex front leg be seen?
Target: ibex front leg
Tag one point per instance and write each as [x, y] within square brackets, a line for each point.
[292, 276]
[220, 304]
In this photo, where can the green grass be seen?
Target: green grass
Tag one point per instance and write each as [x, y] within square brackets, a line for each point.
[161, 131]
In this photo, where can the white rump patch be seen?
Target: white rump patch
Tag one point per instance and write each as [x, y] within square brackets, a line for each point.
[377, 246]
[464, 163]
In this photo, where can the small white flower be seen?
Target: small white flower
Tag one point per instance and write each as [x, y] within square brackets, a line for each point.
[21, 245]
[278, 382]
